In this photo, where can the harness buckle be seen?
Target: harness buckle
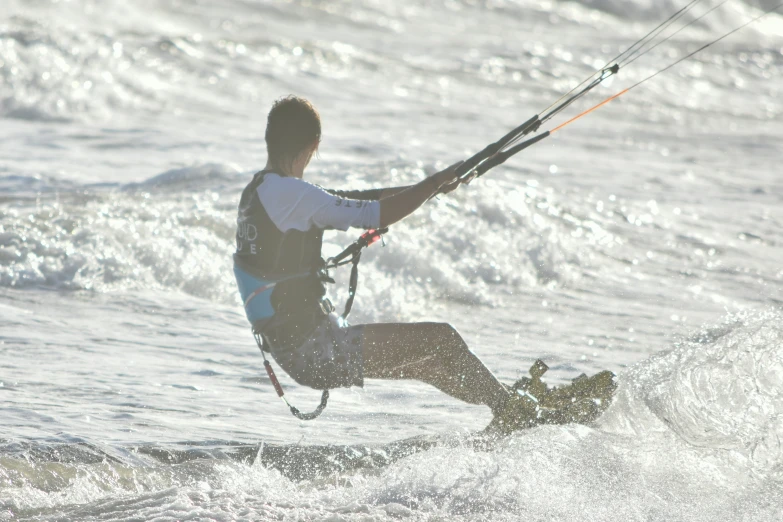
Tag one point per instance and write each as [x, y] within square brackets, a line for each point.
[326, 306]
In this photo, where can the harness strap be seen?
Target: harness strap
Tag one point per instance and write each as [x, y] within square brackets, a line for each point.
[355, 251]
[279, 389]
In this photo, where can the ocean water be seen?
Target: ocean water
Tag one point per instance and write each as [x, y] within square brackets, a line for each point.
[645, 239]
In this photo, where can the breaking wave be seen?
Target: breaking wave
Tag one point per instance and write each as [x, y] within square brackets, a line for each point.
[176, 231]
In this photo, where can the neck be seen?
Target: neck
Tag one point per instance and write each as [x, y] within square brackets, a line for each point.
[293, 171]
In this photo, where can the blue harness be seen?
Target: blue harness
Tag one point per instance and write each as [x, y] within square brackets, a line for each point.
[256, 294]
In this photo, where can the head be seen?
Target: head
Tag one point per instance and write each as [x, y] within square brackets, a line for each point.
[293, 132]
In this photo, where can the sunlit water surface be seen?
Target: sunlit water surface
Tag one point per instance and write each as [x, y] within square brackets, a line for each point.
[645, 239]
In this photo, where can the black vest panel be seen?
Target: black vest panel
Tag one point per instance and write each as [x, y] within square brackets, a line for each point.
[266, 252]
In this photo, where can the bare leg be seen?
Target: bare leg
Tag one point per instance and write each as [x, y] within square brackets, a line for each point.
[433, 353]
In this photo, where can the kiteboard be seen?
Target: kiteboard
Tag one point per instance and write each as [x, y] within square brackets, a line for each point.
[582, 401]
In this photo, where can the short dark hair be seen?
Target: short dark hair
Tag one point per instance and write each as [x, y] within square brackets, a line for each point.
[293, 124]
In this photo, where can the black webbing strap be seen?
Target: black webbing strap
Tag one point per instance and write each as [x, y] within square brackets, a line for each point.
[355, 253]
[353, 284]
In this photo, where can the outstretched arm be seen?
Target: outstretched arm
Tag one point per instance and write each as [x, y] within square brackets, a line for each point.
[404, 202]
[398, 202]
[390, 191]
[371, 194]
[292, 203]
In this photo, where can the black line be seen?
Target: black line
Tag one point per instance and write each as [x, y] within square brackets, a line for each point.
[700, 49]
[660, 26]
[622, 54]
[675, 33]
[640, 50]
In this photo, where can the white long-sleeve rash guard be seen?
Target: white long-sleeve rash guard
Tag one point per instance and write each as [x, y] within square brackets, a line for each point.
[293, 203]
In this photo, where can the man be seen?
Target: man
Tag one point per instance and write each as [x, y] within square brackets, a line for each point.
[278, 265]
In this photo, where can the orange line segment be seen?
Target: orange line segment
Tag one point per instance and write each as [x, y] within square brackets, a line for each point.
[588, 111]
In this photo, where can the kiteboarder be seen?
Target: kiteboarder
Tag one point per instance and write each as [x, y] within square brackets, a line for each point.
[278, 265]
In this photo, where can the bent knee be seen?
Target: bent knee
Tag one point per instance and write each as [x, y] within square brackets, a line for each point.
[444, 332]
[449, 330]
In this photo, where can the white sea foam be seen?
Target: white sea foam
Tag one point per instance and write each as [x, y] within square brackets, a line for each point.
[701, 416]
